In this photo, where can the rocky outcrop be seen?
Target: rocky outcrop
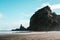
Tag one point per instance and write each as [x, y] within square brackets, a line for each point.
[20, 29]
[43, 20]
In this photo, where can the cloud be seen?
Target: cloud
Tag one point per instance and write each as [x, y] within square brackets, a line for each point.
[25, 23]
[8, 25]
[56, 6]
[1, 15]
[53, 7]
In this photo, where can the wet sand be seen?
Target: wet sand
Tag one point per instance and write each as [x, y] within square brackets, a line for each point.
[31, 36]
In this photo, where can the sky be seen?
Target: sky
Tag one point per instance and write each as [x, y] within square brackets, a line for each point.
[13, 13]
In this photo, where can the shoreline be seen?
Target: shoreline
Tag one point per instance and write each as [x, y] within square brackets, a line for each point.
[31, 36]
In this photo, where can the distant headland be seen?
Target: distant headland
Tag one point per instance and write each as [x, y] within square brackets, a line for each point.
[43, 20]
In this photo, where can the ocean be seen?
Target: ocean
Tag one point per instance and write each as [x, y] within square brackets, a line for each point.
[9, 31]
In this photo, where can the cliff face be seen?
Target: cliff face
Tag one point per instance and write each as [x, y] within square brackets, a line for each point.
[57, 26]
[43, 20]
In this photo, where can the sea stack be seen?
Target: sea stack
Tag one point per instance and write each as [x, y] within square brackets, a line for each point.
[43, 20]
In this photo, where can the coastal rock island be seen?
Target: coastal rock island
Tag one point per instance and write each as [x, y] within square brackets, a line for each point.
[44, 20]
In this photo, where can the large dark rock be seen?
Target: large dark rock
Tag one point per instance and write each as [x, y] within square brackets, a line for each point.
[43, 20]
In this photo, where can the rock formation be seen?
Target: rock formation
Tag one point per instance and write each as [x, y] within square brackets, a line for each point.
[20, 29]
[43, 20]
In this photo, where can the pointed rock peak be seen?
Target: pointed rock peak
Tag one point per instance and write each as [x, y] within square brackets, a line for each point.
[46, 8]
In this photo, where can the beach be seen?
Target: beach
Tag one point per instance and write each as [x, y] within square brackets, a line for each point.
[54, 35]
